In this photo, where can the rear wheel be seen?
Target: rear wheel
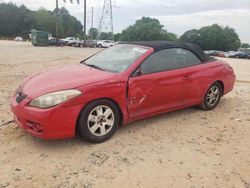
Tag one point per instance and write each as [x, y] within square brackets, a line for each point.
[100, 46]
[212, 97]
[98, 121]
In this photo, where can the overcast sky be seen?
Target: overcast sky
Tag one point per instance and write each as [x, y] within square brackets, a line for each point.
[177, 16]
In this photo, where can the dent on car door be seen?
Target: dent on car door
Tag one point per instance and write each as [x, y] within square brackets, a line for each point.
[161, 85]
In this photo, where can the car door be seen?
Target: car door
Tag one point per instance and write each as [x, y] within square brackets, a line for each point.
[200, 74]
[159, 84]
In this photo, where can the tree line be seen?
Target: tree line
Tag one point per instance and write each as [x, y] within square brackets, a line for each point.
[214, 37]
[18, 21]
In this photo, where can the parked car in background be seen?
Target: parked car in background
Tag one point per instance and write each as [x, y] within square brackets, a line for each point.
[105, 43]
[89, 43]
[215, 53]
[73, 42]
[221, 54]
[70, 40]
[53, 42]
[117, 86]
[18, 39]
[78, 43]
[230, 54]
[242, 54]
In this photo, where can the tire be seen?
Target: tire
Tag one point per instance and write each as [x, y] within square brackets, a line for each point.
[212, 97]
[94, 126]
[100, 46]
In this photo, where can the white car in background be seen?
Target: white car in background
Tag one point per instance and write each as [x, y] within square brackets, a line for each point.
[105, 43]
[230, 54]
[70, 40]
[18, 39]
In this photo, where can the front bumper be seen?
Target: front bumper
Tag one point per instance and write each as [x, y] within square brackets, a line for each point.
[55, 123]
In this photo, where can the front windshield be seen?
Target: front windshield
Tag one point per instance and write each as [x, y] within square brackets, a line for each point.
[117, 58]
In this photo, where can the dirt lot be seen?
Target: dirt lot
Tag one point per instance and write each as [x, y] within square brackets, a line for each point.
[187, 148]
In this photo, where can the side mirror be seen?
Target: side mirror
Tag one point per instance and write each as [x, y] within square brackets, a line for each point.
[138, 72]
[83, 61]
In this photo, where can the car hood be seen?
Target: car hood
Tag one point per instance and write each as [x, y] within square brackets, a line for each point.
[67, 77]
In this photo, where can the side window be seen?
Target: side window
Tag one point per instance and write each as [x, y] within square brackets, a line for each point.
[168, 59]
[190, 59]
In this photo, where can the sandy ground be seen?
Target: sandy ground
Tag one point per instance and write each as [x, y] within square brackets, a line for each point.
[186, 148]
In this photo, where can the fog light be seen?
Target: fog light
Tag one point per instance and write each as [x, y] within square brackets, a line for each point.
[35, 126]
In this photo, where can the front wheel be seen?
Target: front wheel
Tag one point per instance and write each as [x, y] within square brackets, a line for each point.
[212, 97]
[98, 121]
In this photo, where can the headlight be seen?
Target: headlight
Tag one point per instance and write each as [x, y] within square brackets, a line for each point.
[53, 99]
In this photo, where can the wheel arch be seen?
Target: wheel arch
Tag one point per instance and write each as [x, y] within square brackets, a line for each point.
[222, 86]
[110, 99]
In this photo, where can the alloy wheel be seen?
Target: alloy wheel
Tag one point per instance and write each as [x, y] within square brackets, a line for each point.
[101, 120]
[213, 96]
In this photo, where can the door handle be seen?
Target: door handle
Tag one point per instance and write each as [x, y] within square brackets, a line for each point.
[188, 77]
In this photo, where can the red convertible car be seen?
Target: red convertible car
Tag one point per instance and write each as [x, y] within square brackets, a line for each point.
[116, 86]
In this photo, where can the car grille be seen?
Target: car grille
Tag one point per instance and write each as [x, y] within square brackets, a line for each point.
[20, 97]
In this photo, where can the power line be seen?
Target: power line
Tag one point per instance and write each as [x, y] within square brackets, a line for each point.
[106, 22]
[57, 35]
[85, 21]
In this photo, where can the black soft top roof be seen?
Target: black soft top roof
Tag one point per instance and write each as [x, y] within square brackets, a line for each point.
[160, 45]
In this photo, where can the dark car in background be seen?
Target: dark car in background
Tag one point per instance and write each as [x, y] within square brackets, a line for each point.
[52, 42]
[243, 54]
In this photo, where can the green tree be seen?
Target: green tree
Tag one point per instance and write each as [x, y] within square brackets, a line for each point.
[146, 29]
[93, 33]
[18, 21]
[69, 24]
[14, 20]
[214, 37]
[117, 36]
[45, 21]
[245, 45]
[191, 36]
[106, 36]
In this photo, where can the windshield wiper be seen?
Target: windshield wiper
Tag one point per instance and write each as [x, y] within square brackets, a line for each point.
[93, 66]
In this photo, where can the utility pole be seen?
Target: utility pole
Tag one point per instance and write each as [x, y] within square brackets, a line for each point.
[92, 17]
[92, 21]
[85, 21]
[57, 23]
[111, 17]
